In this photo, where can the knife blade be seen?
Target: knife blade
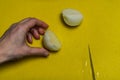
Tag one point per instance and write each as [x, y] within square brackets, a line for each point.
[91, 64]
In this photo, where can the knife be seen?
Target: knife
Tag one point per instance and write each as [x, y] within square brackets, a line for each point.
[91, 64]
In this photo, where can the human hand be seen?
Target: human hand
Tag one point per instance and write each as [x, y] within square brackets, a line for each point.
[13, 42]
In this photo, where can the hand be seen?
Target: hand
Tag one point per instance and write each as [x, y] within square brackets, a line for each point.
[13, 43]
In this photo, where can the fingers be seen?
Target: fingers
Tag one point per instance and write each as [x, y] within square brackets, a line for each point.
[41, 31]
[37, 52]
[31, 22]
[29, 37]
[34, 26]
[35, 33]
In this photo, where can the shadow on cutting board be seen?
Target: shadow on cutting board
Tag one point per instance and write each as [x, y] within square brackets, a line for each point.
[18, 61]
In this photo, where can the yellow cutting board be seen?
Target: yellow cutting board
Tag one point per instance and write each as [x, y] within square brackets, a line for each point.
[100, 29]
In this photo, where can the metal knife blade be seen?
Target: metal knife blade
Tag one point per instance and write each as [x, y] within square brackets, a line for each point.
[91, 64]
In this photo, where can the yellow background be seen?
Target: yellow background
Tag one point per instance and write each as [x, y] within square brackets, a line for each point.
[100, 29]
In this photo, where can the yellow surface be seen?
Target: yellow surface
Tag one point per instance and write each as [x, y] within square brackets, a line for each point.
[100, 29]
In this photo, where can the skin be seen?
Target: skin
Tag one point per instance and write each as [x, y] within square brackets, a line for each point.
[13, 42]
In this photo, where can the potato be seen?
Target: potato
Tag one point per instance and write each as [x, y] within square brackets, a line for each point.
[72, 17]
[50, 41]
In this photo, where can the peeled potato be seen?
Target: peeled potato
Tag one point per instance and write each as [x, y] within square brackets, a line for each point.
[50, 41]
[72, 17]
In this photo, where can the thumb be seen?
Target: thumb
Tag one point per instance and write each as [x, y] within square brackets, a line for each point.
[37, 52]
